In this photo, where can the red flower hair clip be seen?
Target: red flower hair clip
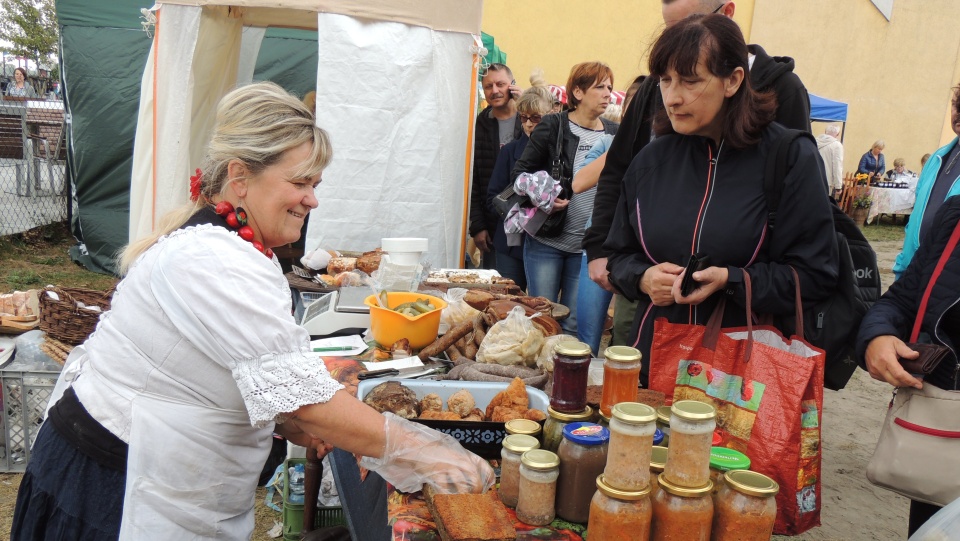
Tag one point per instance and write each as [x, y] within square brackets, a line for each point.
[195, 185]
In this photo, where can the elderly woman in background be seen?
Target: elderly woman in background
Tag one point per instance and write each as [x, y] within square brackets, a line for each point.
[872, 162]
[162, 420]
[19, 87]
[900, 171]
[552, 261]
[698, 189]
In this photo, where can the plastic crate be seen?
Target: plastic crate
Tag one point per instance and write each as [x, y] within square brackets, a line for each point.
[23, 401]
[293, 512]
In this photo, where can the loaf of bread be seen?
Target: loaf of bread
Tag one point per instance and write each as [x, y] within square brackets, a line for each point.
[337, 265]
[471, 517]
[369, 261]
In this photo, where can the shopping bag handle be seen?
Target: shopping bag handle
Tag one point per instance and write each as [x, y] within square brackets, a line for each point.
[712, 333]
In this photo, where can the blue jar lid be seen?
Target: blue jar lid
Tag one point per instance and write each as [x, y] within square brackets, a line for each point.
[657, 437]
[586, 433]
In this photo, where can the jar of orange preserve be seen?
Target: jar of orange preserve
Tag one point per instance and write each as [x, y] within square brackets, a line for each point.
[618, 515]
[745, 508]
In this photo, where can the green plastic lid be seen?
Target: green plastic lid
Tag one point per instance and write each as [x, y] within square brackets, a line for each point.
[724, 459]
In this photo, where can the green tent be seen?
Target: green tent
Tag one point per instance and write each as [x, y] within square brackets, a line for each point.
[494, 54]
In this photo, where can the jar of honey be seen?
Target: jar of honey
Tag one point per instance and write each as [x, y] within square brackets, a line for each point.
[536, 499]
[745, 508]
[618, 515]
[632, 428]
[658, 459]
[513, 448]
[621, 377]
[682, 513]
[691, 436]
[553, 426]
[571, 362]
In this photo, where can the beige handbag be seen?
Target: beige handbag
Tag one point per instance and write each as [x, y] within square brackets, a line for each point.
[917, 453]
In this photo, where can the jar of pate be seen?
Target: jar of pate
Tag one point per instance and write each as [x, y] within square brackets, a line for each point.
[745, 508]
[536, 500]
[618, 515]
[691, 436]
[632, 429]
[681, 513]
[513, 448]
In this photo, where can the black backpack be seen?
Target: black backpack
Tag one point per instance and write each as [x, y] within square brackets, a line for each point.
[832, 323]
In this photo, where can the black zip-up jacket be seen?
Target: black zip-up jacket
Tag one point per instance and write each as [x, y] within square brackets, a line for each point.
[768, 73]
[895, 312]
[683, 194]
[486, 148]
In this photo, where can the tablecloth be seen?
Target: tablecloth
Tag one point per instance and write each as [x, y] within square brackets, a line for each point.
[890, 201]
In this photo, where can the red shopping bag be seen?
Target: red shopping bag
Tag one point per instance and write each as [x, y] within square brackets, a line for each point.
[768, 391]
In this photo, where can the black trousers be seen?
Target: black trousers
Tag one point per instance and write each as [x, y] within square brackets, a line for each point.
[920, 512]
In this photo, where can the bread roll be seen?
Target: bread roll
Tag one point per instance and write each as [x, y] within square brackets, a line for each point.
[337, 265]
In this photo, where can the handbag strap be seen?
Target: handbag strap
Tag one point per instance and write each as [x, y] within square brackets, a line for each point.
[951, 245]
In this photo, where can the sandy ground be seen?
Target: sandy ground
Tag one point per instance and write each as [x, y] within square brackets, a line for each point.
[853, 509]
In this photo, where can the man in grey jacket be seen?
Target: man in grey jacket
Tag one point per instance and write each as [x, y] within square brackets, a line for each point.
[831, 150]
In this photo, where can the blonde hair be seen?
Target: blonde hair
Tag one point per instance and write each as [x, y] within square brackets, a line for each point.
[878, 144]
[537, 78]
[899, 162]
[255, 124]
[613, 112]
[535, 100]
[310, 100]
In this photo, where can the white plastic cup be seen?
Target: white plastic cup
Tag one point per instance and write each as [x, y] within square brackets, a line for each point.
[404, 250]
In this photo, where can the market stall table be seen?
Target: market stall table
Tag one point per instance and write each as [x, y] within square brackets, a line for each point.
[890, 201]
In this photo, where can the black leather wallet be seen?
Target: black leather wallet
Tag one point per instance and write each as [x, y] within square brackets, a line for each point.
[930, 357]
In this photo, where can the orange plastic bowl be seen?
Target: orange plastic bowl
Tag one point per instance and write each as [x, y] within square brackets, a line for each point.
[388, 326]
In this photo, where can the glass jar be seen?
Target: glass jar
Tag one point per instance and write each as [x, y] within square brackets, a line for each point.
[556, 421]
[539, 470]
[658, 459]
[723, 460]
[571, 361]
[513, 447]
[523, 426]
[663, 423]
[745, 508]
[583, 454]
[617, 515]
[691, 436]
[682, 513]
[621, 377]
[603, 420]
[631, 441]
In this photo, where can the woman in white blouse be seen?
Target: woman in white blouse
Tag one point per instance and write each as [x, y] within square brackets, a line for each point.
[162, 419]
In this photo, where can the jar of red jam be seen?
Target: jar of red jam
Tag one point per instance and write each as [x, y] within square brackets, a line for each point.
[571, 362]
[618, 515]
[681, 513]
[745, 508]
[621, 377]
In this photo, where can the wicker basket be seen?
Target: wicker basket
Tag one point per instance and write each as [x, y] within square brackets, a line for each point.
[62, 320]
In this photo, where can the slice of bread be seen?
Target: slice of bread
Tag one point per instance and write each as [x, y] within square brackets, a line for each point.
[470, 517]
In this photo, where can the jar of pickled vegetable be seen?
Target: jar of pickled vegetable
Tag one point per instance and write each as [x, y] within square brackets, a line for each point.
[583, 454]
[632, 428]
[513, 448]
[523, 426]
[658, 459]
[691, 436]
[553, 426]
[723, 460]
[571, 361]
[621, 377]
[618, 515]
[536, 499]
[663, 423]
[682, 514]
[745, 509]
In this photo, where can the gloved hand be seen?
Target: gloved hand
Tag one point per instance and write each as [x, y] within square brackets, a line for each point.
[415, 455]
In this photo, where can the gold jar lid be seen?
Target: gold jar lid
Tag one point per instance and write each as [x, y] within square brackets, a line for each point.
[684, 492]
[634, 413]
[693, 410]
[584, 415]
[622, 354]
[751, 483]
[663, 415]
[522, 426]
[540, 459]
[658, 458]
[520, 443]
[572, 349]
[603, 487]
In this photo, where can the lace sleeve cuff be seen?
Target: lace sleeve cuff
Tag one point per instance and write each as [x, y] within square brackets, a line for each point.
[276, 384]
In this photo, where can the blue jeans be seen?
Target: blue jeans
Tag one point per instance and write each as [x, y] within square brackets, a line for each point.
[553, 274]
[592, 304]
[512, 268]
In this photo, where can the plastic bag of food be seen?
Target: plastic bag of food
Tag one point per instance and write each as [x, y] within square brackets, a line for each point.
[514, 340]
[545, 359]
[943, 526]
[457, 310]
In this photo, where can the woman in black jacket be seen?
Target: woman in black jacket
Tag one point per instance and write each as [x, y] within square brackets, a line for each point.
[697, 188]
[887, 325]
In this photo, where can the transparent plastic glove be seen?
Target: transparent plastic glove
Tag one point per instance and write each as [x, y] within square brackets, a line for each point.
[416, 455]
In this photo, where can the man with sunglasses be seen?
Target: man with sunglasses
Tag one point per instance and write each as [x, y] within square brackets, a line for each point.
[496, 126]
[636, 130]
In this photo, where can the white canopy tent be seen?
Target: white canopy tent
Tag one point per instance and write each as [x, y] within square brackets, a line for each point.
[396, 91]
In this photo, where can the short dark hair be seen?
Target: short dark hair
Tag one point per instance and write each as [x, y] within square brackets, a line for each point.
[21, 70]
[956, 98]
[748, 112]
[584, 76]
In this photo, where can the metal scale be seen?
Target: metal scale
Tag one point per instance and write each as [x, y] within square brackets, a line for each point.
[337, 313]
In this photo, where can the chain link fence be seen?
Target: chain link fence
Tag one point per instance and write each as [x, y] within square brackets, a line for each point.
[33, 154]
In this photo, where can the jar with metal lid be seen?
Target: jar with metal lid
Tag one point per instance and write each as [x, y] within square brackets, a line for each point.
[658, 459]
[681, 513]
[571, 361]
[691, 436]
[745, 509]
[621, 377]
[583, 454]
[603, 420]
[523, 426]
[618, 515]
[556, 421]
[513, 448]
[723, 460]
[632, 428]
[536, 499]
[663, 423]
